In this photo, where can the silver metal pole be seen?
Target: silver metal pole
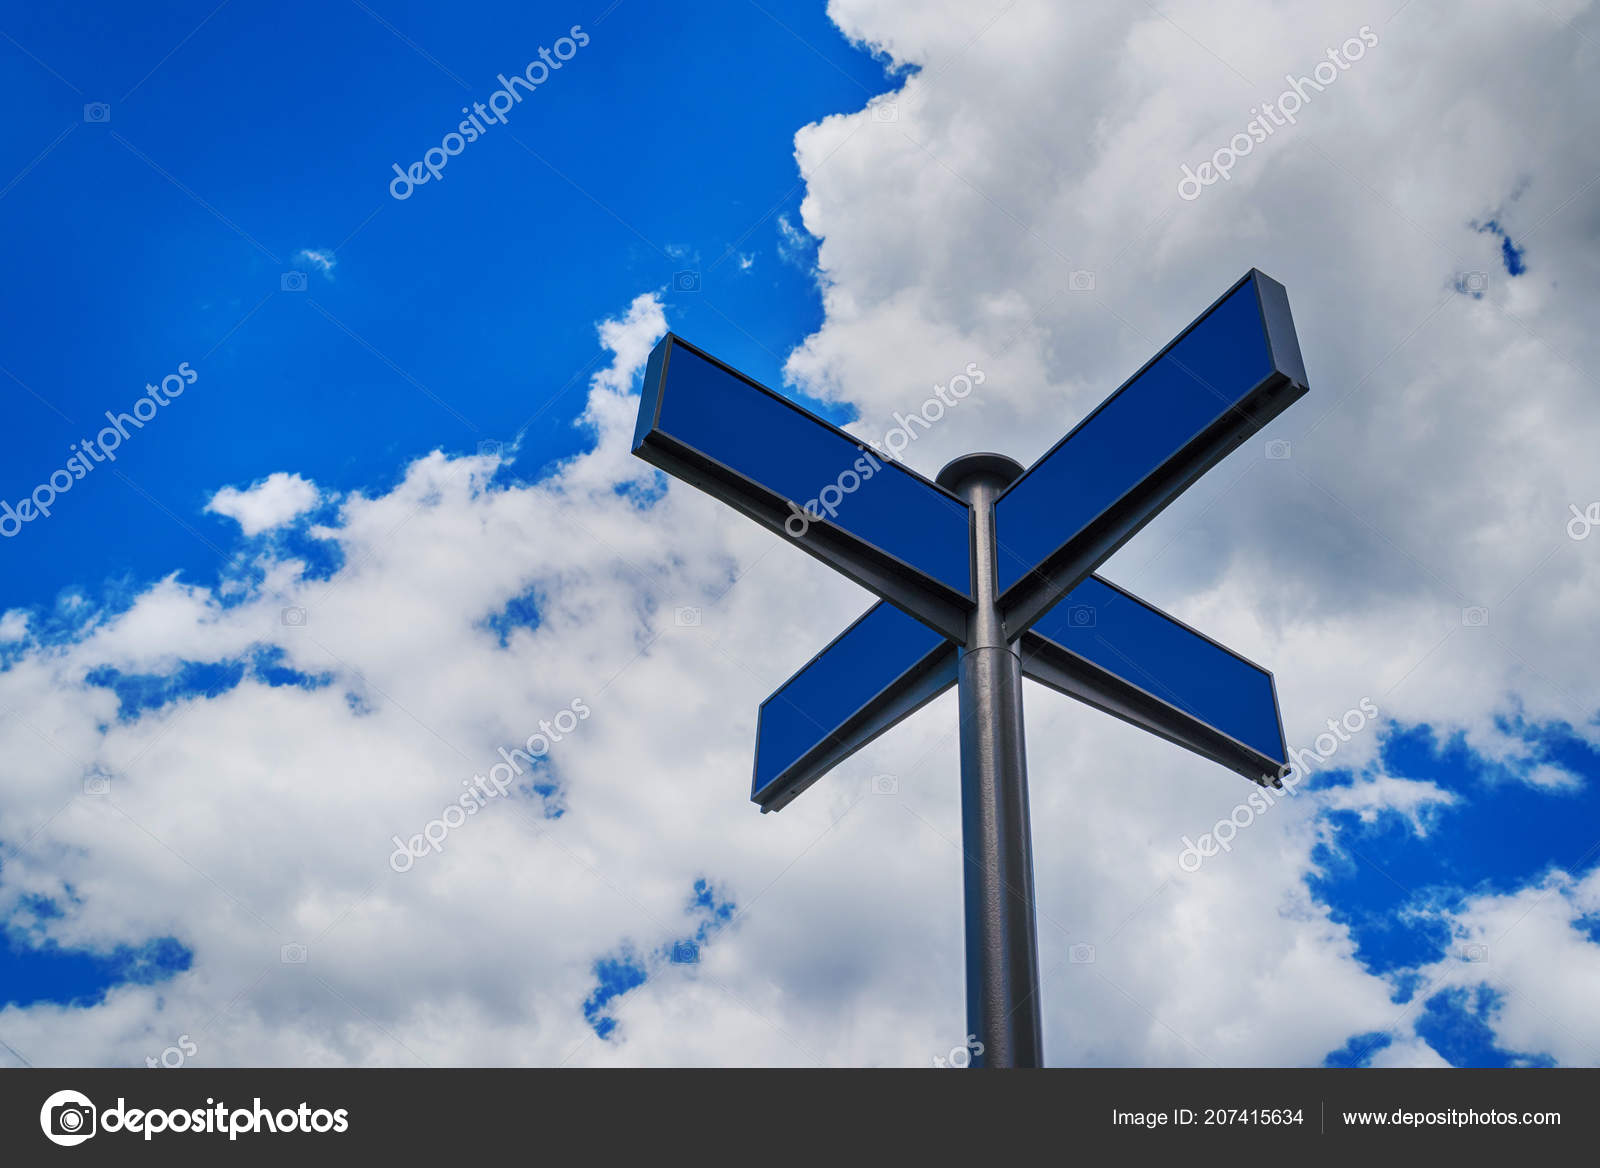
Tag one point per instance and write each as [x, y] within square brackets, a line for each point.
[1002, 940]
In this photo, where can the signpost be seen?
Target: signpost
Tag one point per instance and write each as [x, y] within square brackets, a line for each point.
[986, 576]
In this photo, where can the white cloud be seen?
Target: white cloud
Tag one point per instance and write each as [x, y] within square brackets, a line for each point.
[847, 900]
[1372, 797]
[1432, 470]
[1551, 777]
[269, 503]
[794, 245]
[1410, 1052]
[322, 260]
[1529, 947]
[1445, 437]
[14, 625]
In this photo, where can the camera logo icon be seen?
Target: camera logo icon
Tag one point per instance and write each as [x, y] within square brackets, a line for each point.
[292, 282]
[490, 448]
[1081, 281]
[1081, 954]
[885, 785]
[1278, 449]
[885, 112]
[67, 1118]
[293, 954]
[1081, 616]
[686, 281]
[97, 112]
[1475, 953]
[1475, 283]
[1475, 617]
[686, 953]
[687, 617]
[294, 617]
[97, 782]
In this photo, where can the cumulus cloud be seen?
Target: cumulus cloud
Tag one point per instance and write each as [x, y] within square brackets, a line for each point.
[272, 502]
[1431, 473]
[1410, 547]
[1384, 794]
[1534, 950]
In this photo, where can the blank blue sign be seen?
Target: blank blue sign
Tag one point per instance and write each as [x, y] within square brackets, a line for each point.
[1224, 360]
[781, 449]
[910, 541]
[873, 658]
[1145, 648]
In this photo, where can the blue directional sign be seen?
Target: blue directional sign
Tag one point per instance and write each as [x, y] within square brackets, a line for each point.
[881, 524]
[1224, 377]
[1105, 646]
[881, 669]
[986, 577]
[909, 540]
[1101, 645]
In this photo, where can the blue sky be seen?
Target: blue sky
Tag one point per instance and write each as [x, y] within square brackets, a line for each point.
[195, 781]
[1383, 880]
[463, 314]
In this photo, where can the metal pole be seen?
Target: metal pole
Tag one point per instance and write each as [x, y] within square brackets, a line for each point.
[1002, 941]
